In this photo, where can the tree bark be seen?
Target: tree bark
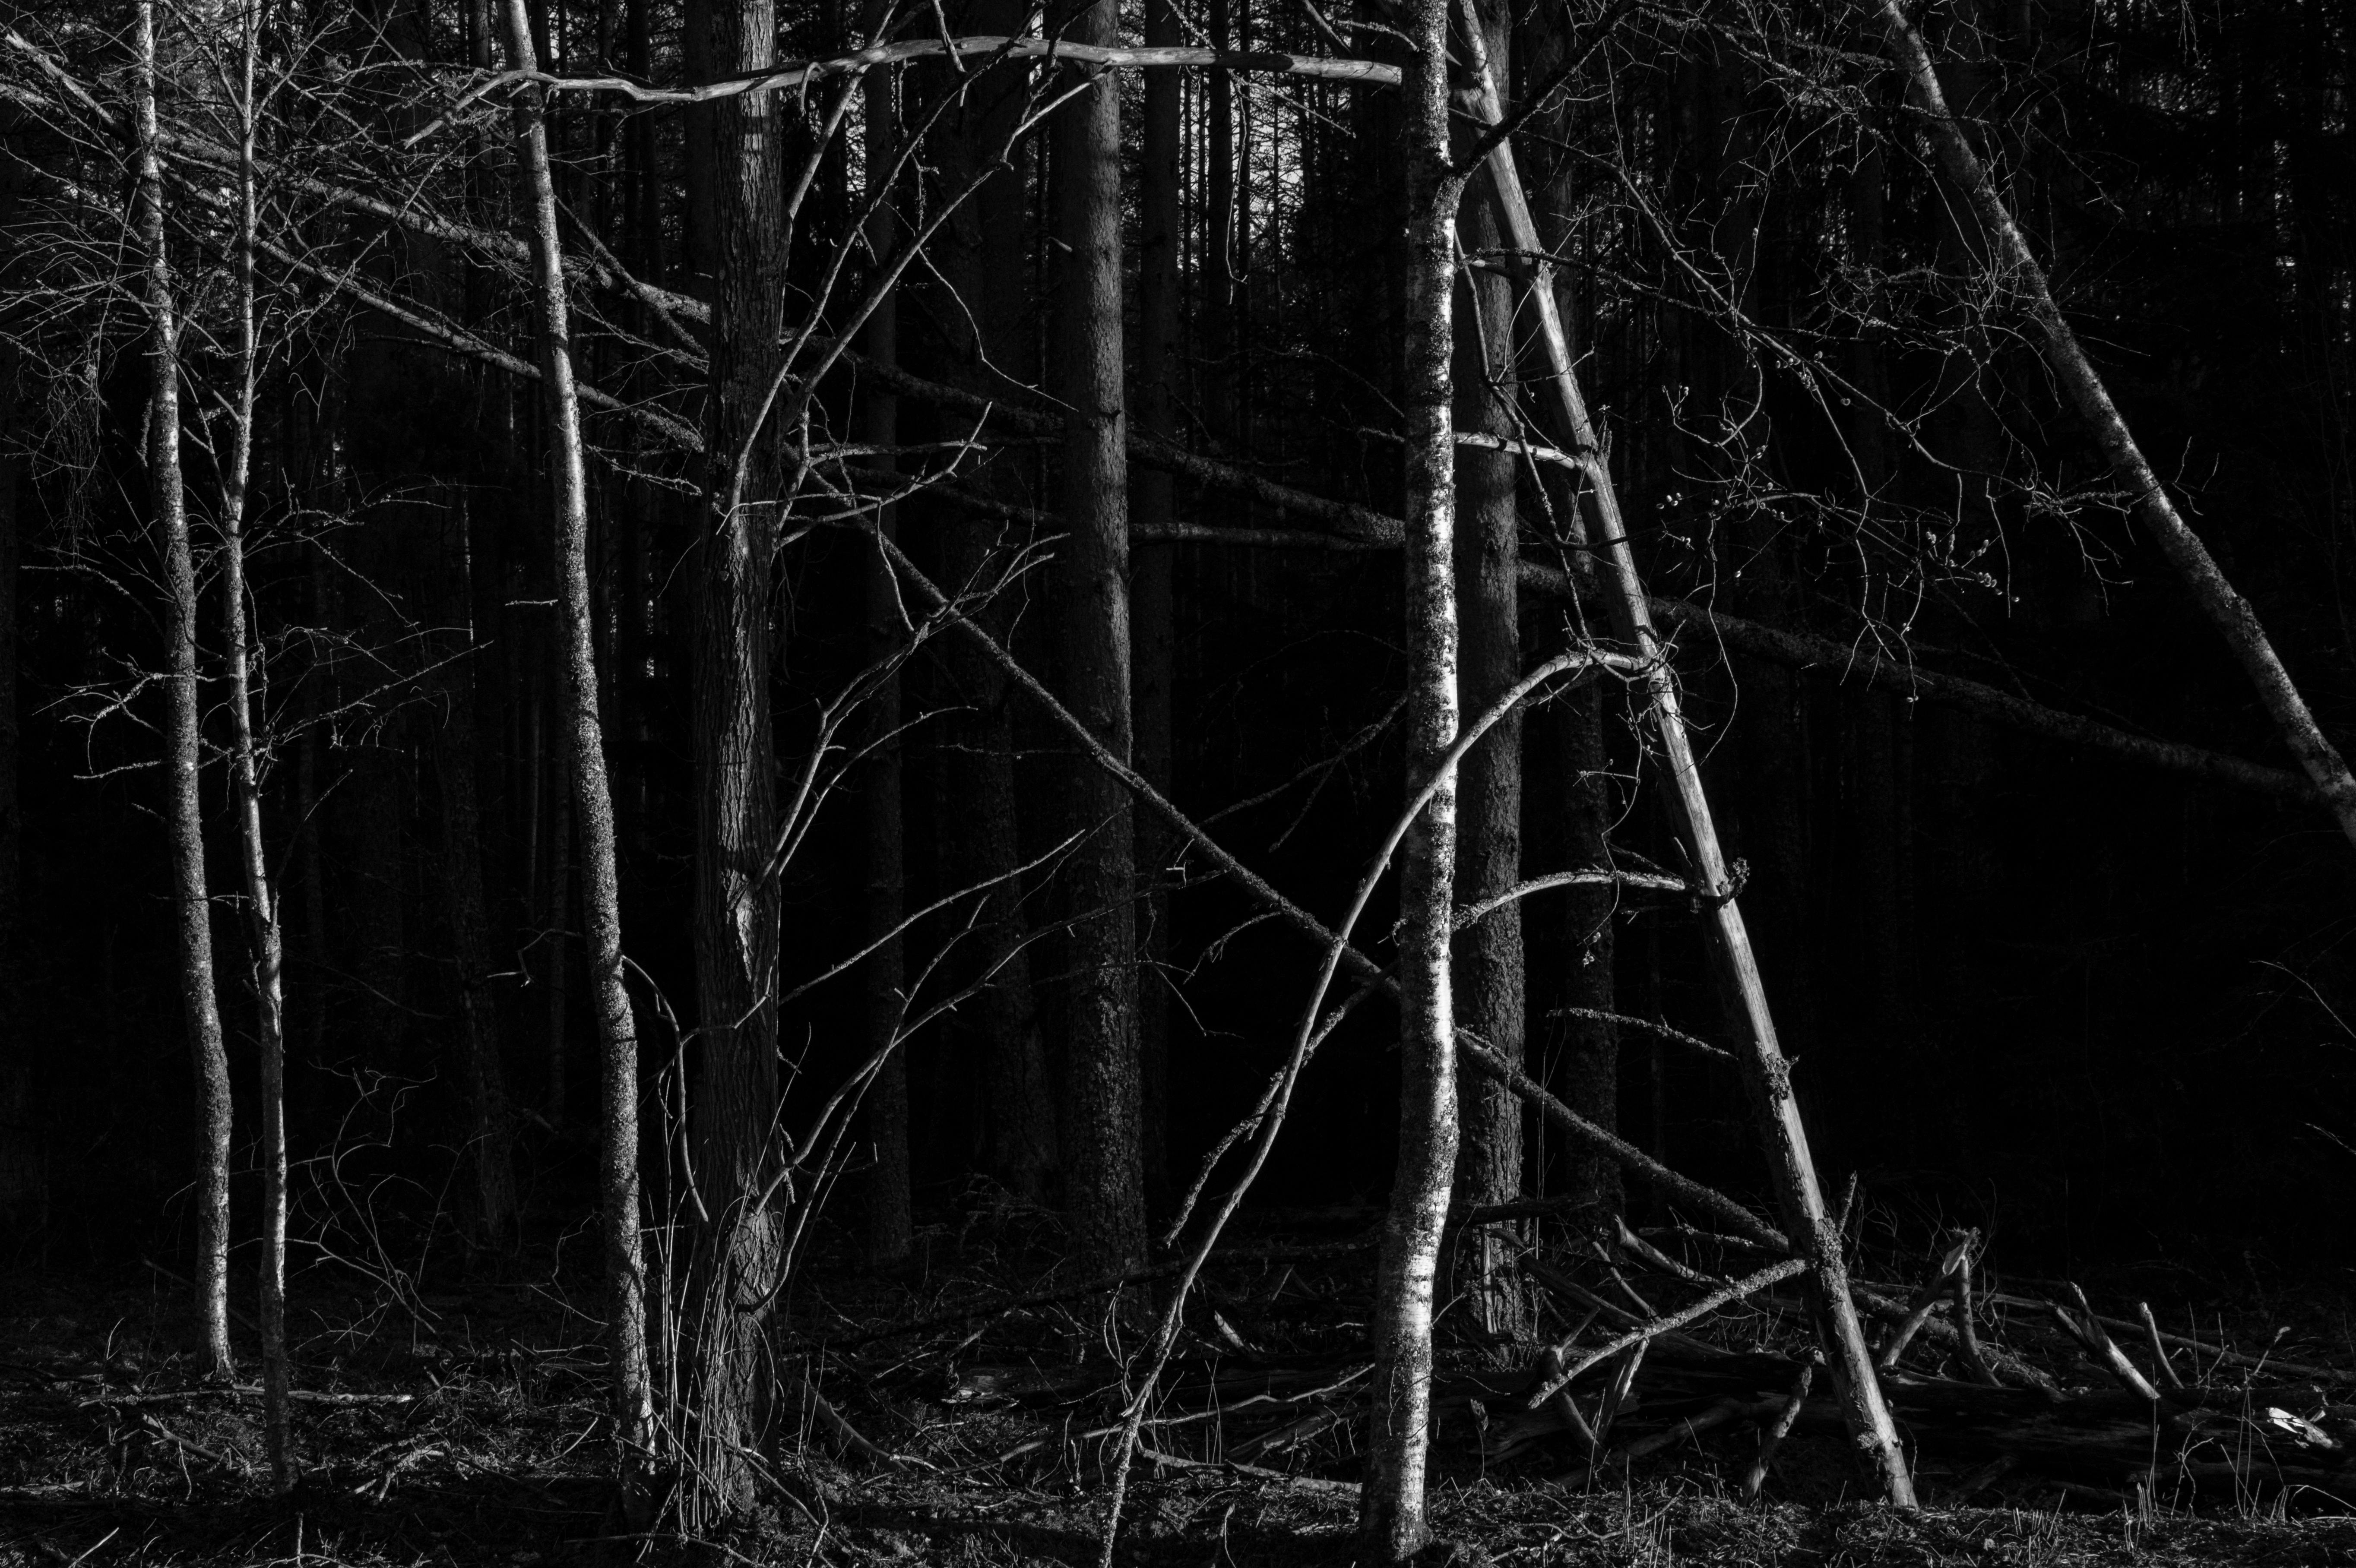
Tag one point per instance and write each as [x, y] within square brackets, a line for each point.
[1490, 963]
[1152, 577]
[184, 813]
[1102, 1174]
[262, 926]
[490, 1141]
[630, 1398]
[2231, 614]
[1780, 1129]
[1391, 1501]
[987, 264]
[890, 1221]
[736, 143]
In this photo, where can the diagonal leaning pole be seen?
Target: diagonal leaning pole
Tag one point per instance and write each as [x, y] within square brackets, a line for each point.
[1764, 1069]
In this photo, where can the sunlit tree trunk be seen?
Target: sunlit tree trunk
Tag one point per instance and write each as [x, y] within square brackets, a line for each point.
[629, 1402]
[264, 932]
[183, 746]
[1391, 1501]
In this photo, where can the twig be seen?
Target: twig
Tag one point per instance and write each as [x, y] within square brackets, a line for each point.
[2159, 1351]
[1646, 1334]
[1772, 1436]
[2098, 1345]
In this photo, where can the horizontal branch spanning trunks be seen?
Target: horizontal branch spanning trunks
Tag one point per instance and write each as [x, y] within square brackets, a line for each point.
[800, 73]
[1806, 652]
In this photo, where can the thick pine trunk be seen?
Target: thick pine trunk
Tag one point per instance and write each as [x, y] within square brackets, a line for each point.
[490, 1132]
[1490, 966]
[1102, 1175]
[890, 1222]
[735, 144]
[629, 1399]
[1392, 1502]
[1152, 578]
[183, 746]
[988, 264]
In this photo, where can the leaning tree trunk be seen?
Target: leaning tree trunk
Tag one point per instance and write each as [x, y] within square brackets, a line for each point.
[184, 816]
[263, 925]
[740, 231]
[1392, 1502]
[889, 1223]
[629, 1400]
[1782, 1133]
[1102, 1176]
[1489, 960]
[2231, 614]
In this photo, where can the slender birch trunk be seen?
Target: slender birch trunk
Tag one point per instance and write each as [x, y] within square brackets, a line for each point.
[629, 1401]
[890, 1221]
[184, 816]
[1102, 1173]
[1391, 1501]
[2233, 615]
[262, 927]
[1768, 1074]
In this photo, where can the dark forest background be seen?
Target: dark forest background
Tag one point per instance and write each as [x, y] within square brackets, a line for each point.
[2091, 1006]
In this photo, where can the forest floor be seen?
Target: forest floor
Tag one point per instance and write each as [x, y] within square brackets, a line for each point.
[458, 1423]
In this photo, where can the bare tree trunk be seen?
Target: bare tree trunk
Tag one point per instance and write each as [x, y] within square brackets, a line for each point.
[1152, 568]
[558, 918]
[1489, 969]
[1391, 1501]
[629, 1399]
[22, 1185]
[1780, 1129]
[988, 266]
[890, 1222]
[2231, 614]
[1586, 1069]
[1103, 1185]
[184, 813]
[490, 1137]
[262, 926]
[739, 231]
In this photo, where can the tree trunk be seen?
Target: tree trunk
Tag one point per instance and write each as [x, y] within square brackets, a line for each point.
[262, 927]
[1586, 1065]
[490, 1136]
[739, 231]
[184, 813]
[1152, 568]
[1392, 1502]
[2226, 608]
[1782, 1132]
[987, 265]
[1102, 1174]
[23, 1186]
[629, 1400]
[558, 919]
[1490, 966]
[890, 1222]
